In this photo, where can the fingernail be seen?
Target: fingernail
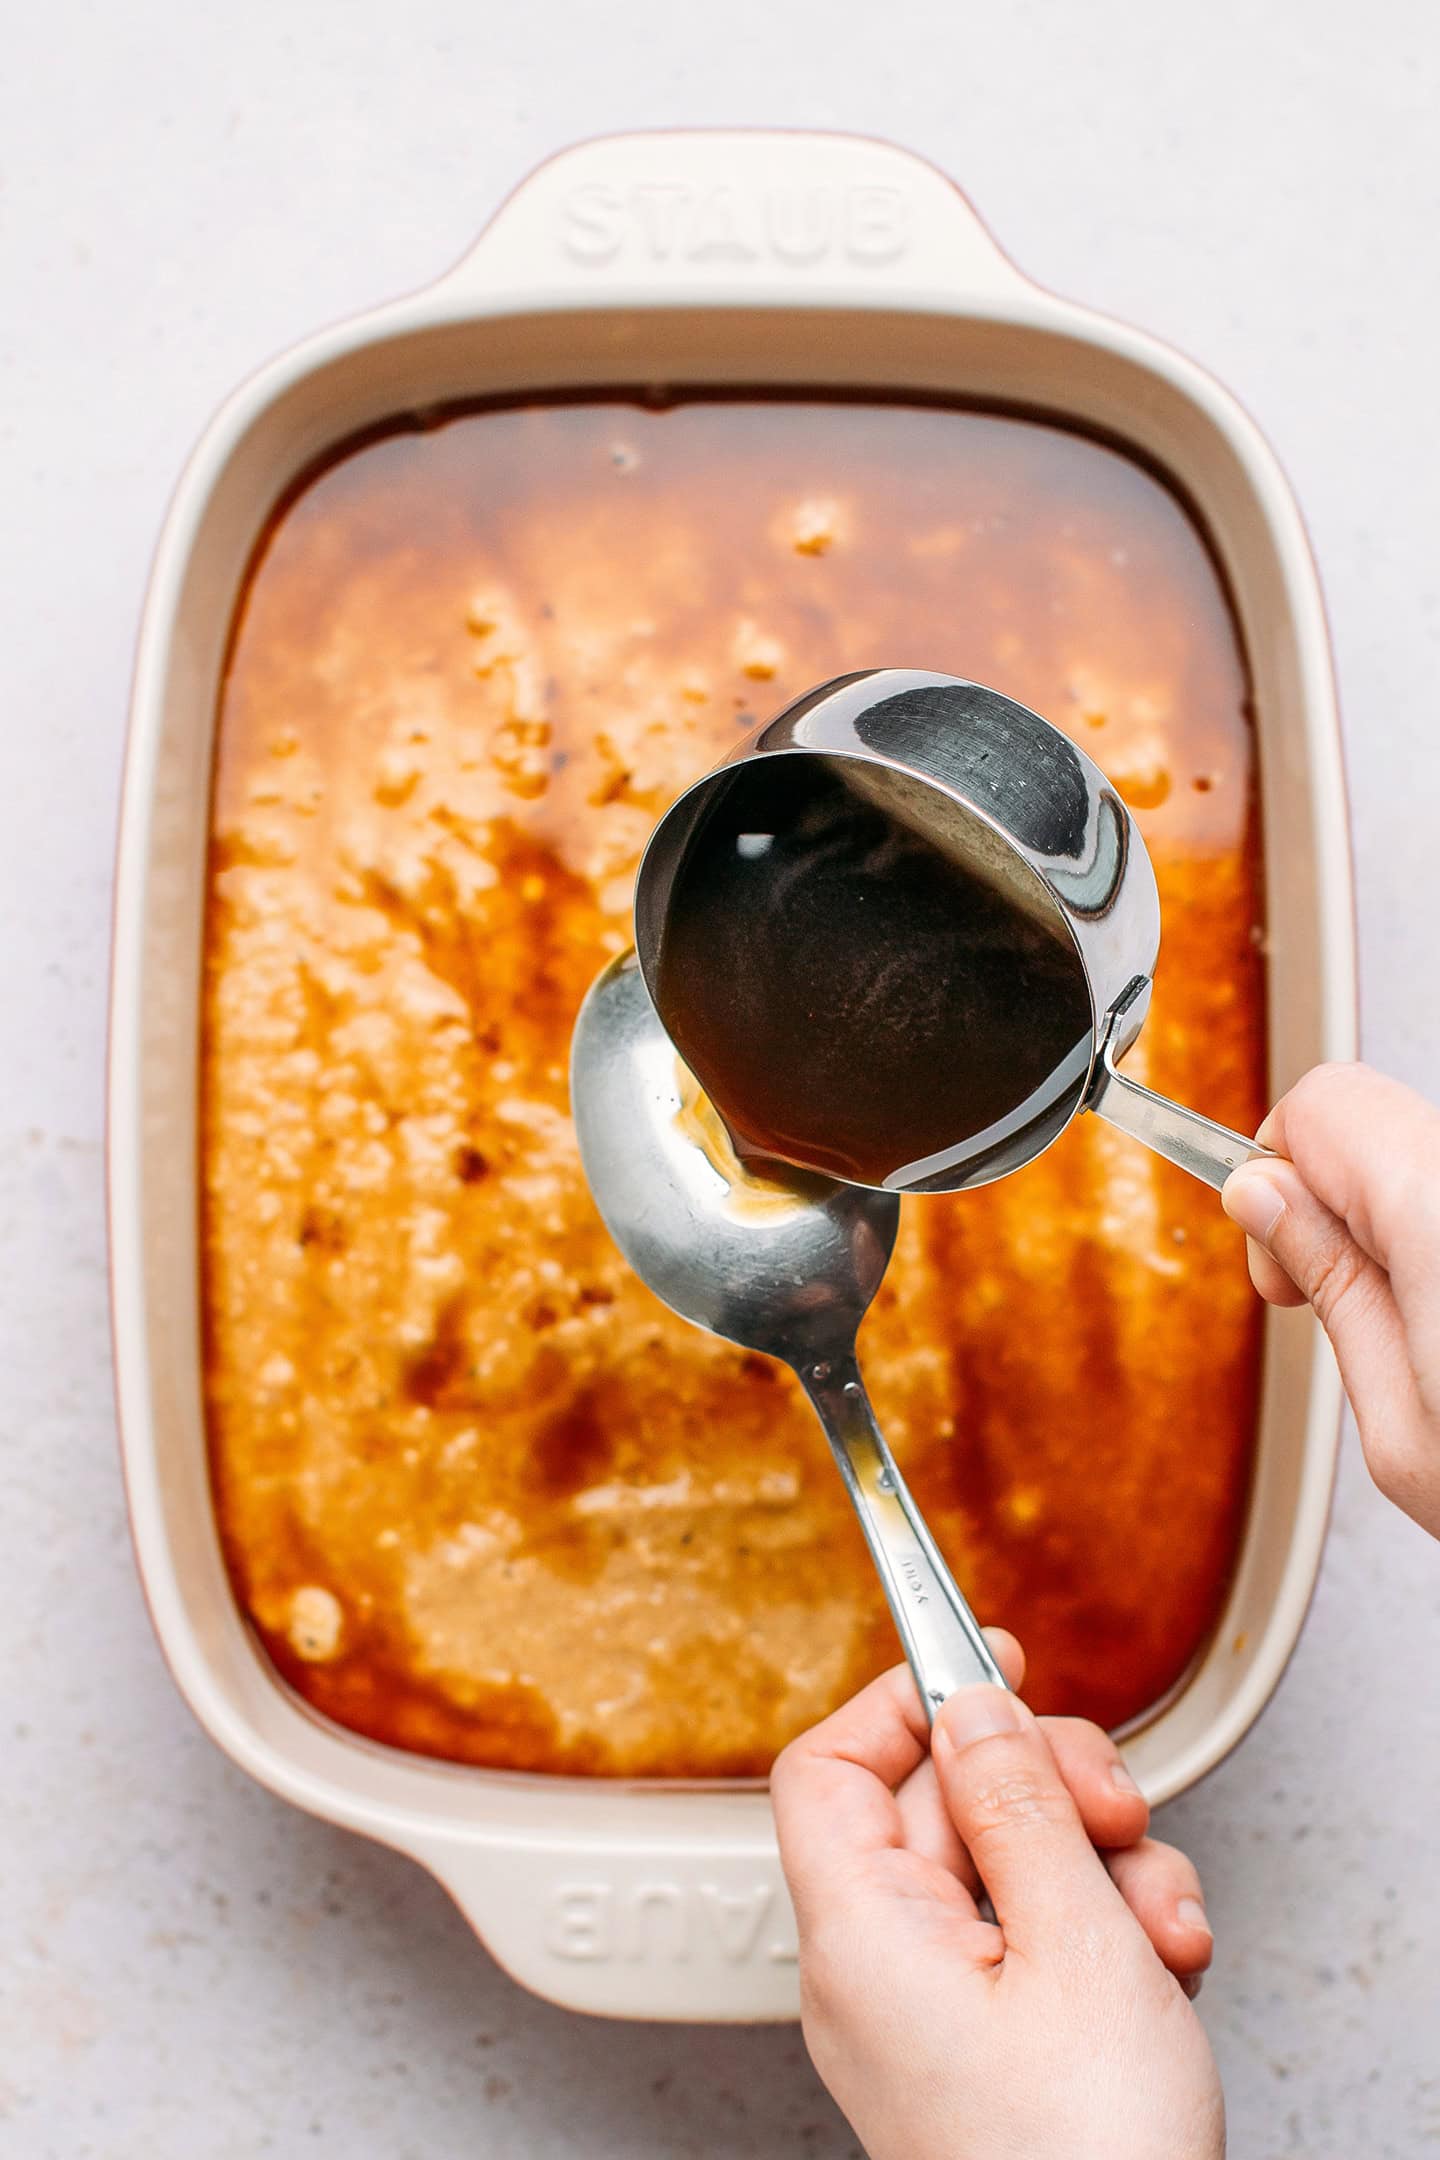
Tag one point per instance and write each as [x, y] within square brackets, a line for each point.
[1121, 1778]
[975, 1713]
[1249, 1199]
[1191, 1913]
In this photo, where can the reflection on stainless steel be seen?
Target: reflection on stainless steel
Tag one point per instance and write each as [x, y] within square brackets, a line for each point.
[1000, 790]
[1011, 1141]
[792, 1281]
[1194, 1143]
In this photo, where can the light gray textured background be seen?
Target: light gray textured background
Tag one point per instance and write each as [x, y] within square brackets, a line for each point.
[190, 1968]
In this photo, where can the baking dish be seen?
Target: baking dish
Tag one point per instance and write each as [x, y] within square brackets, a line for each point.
[722, 259]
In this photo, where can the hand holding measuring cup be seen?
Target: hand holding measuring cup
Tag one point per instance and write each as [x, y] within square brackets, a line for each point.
[1348, 1221]
[903, 937]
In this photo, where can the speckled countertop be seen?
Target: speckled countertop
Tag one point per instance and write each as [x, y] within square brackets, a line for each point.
[189, 1968]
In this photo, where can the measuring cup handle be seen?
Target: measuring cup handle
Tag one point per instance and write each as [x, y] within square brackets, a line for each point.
[1197, 1144]
[941, 1636]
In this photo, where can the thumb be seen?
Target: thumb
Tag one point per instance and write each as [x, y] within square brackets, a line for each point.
[1300, 1239]
[1013, 1810]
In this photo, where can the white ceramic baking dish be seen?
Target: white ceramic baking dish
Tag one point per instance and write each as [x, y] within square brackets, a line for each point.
[742, 258]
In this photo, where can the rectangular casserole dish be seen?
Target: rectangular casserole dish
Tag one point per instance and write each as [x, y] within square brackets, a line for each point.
[753, 260]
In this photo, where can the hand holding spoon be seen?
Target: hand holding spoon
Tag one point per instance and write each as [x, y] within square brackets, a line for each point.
[788, 1269]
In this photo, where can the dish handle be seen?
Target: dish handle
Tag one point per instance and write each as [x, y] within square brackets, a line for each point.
[735, 216]
[625, 1928]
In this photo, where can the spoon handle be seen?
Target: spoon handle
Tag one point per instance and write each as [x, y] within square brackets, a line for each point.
[941, 1636]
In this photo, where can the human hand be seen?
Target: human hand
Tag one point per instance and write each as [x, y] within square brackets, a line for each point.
[1350, 1221]
[1055, 2032]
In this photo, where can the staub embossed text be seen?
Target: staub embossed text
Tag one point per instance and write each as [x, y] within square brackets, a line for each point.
[674, 1923]
[673, 221]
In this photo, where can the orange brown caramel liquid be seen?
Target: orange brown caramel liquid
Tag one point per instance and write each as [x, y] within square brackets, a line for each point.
[480, 1494]
[757, 1188]
[852, 999]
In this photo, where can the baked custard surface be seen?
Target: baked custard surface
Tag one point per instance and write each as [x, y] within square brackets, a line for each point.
[480, 1494]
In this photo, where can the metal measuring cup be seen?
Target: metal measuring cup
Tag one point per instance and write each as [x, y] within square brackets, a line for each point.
[1014, 801]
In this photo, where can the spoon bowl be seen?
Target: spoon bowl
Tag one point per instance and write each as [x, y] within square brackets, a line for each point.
[789, 1269]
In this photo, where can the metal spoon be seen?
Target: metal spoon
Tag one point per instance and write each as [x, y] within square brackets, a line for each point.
[789, 1270]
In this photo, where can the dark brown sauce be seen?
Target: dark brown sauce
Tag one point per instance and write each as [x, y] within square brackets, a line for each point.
[851, 998]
